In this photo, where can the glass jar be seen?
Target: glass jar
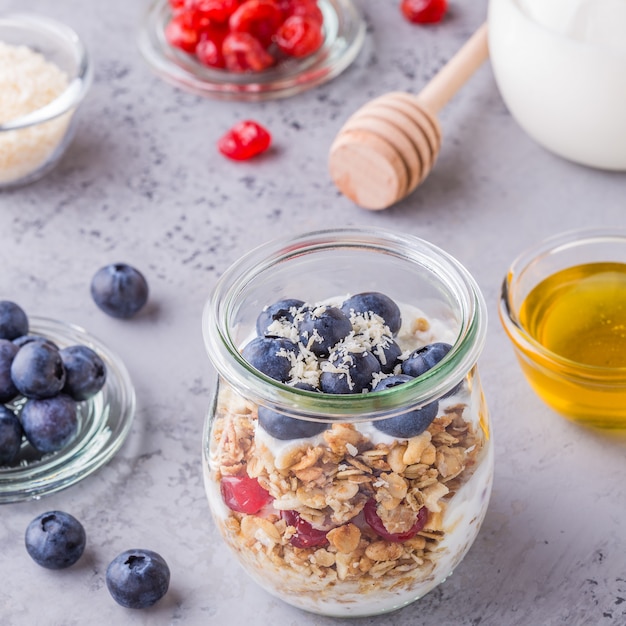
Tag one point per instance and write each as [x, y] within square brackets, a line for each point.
[350, 520]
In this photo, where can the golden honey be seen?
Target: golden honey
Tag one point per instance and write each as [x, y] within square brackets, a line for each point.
[579, 314]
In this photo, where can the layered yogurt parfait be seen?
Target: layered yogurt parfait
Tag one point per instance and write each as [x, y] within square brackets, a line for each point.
[360, 481]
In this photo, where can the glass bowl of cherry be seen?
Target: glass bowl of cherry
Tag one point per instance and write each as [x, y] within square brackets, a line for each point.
[250, 49]
[347, 452]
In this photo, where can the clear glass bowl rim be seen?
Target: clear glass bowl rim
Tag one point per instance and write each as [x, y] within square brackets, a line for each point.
[68, 466]
[522, 339]
[78, 85]
[440, 379]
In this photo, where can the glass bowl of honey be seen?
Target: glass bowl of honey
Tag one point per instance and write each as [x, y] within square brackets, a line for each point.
[563, 305]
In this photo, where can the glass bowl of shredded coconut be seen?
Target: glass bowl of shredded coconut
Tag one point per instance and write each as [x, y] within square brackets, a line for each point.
[45, 73]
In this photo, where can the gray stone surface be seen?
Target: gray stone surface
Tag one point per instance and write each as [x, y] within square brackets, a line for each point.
[143, 183]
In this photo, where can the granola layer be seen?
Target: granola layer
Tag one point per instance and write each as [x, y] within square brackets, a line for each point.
[328, 480]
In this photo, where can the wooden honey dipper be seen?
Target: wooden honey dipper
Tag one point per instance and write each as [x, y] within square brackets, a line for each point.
[388, 147]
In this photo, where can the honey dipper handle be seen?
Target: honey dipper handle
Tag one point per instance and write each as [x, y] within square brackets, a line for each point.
[453, 75]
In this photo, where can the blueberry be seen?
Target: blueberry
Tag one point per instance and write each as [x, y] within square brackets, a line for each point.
[281, 426]
[8, 390]
[377, 303]
[119, 290]
[13, 320]
[423, 359]
[305, 386]
[24, 339]
[411, 423]
[85, 372]
[138, 579]
[273, 356]
[321, 328]
[55, 540]
[388, 353]
[50, 424]
[281, 310]
[349, 372]
[37, 370]
[392, 381]
[10, 436]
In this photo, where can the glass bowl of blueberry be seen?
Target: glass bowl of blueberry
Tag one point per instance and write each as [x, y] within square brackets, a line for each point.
[250, 49]
[347, 452]
[66, 404]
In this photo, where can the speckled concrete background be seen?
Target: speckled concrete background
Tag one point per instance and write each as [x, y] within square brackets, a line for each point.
[143, 183]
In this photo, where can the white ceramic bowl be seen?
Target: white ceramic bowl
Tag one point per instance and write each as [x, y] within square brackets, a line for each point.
[32, 144]
[564, 83]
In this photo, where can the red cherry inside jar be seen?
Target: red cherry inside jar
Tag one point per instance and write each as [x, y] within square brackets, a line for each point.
[245, 35]
[244, 494]
[305, 536]
[376, 524]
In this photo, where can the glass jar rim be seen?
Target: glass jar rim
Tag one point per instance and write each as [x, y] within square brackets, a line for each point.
[444, 376]
[509, 317]
[78, 85]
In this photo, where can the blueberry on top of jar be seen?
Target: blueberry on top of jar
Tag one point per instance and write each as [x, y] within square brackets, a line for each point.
[425, 358]
[349, 372]
[376, 303]
[388, 354]
[411, 423]
[323, 327]
[272, 356]
[282, 311]
[285, 427]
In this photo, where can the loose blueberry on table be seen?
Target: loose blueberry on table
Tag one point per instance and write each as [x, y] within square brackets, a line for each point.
[55, 540]
[138, 579]
[120, 290]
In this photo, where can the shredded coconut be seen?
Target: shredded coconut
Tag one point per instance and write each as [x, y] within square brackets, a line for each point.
[27, 83]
